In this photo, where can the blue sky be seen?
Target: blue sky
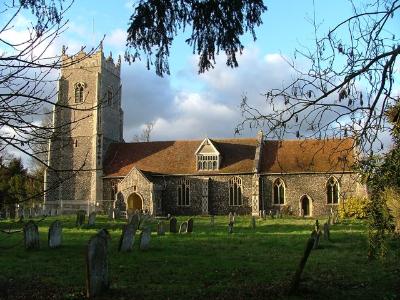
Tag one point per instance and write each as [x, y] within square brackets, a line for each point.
[186, 105]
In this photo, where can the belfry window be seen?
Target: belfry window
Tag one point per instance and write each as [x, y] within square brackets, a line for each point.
[235, 191]
[79, 92]
[279, 192]
[183, 192]
[332, 191]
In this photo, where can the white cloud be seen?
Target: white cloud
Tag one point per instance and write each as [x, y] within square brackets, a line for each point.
[116, 39]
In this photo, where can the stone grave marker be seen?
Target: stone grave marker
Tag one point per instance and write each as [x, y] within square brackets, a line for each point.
[135, 220]
[168, 216]
[92, 219]
[190, 225]
[230, 216]
[173, 225]
[127, 238]
[160, 228]
[253, 222]
[230, 227]
[316, 236]
[80, 218]
[111, 214]
[97, 278]
[316, 227]
[212, 219]
[234, 217]
[145, 238]
[31, 236]
[327, 234]
[183, 228]
[55, 235]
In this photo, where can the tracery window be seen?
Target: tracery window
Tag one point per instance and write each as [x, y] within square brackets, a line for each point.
[235, 191]
[183, 192]
[79, 90]
[332, 191]
[279, 191]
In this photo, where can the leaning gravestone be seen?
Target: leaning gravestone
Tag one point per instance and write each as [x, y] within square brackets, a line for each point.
[80, 217]
[55, 234]
[183, 228]
[145, 237]
[160, 228]
[327, 235]
[230, 218]
[31, 236]
[253, 222]
[127, 238]
[190, 225]
[316, 236]
[92, 219]
[230, 227]
[97, 279]
[173, 225]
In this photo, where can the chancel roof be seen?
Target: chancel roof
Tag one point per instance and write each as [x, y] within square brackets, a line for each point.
[178, 157]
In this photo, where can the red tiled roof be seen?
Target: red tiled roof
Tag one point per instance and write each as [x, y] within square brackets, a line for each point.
[292, 156]
[177, 157]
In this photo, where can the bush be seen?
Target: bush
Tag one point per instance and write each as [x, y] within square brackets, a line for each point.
[391, 196]
[354, 207]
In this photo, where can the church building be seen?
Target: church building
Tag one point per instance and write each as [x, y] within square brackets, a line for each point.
[92, 168]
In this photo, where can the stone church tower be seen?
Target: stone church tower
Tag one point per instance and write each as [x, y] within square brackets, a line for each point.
[87, 118]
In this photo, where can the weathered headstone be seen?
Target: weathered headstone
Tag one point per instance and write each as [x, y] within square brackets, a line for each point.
[230, 227]
[190, 225]
[168, 216]
[173, 225]
[111, 213]
[183, 228]
[55, 234]
[31, 236]
[230, 218]
[212, 219]
[145, 238]
[92, 219]
[316, 236]
[160, 228]
[316, 227]
[297, 276]
[327, 234]
[97, 278]
[127, 238]
[80, 217]
[253, 222]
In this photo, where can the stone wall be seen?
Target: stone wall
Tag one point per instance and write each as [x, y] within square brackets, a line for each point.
[312, 185]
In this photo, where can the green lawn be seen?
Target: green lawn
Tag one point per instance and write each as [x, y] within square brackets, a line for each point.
[209, 263]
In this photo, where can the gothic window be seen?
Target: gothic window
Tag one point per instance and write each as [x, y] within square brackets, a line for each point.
[332, 191]
[183, 192]
[279, 192]
[235, 191]
[207, 162]
[79, 90]
[109, 97]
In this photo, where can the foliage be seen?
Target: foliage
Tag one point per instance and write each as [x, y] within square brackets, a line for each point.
[215, 25]
[354, 207]
[391, 196]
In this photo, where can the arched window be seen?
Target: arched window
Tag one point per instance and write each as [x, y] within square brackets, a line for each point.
[235, 191]
[332, 191]
[279, 191]
[183, 192]
[79, 89]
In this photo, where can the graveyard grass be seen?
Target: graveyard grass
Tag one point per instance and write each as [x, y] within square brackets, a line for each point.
[209, 263]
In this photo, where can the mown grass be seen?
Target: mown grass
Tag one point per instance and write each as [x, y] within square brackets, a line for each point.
[209, 263]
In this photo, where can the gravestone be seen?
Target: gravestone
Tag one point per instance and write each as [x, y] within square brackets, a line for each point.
[111, 213]
[212, 220]
[145, 238]
[160, 228]
[97, 278]
[168, 216]
[127, 238]
[92, 219]
[55, 234]
[190, 225]
[31, 236]
[80, 218]
[316, 236]
[230, 227]
[183, 228]
[253, 222]
[230, 217]
[173, 225]
[316, 227]
[326, 232]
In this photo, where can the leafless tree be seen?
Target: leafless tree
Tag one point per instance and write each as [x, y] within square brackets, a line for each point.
[146, 133]
[349, 81]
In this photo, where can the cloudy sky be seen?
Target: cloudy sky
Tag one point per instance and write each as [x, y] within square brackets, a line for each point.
[186, 105]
